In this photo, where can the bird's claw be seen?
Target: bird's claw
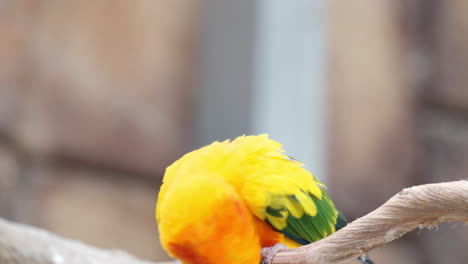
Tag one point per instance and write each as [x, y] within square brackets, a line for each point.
[268, 253]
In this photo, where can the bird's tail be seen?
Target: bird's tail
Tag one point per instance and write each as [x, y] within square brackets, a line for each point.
[365, 259]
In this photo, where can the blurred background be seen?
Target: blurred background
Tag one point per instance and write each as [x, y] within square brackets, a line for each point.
[98, 97]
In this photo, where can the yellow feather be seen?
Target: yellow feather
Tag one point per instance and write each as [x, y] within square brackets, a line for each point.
[277, 222]
[307, 204]
[253, 169]
[294, 208]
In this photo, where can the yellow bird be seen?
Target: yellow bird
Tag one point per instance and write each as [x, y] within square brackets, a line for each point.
[226, 201]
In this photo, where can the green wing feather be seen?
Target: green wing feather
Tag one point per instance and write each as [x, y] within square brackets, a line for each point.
[309, 228]
[281, 192]
[292, 201]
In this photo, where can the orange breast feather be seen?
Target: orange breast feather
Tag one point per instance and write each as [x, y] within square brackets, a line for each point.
[209, 223]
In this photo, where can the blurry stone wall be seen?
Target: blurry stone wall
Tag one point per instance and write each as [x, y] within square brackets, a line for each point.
[96, 96]
[94, 103]
[399, 111]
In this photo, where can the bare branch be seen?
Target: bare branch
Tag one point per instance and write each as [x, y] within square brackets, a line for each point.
[20, 244]
[420, 206]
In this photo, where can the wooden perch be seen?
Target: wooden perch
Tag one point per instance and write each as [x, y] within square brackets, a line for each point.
[20, 244]
[420, 206]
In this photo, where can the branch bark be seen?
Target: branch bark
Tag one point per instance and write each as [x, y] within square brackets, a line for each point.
[420, 206]
[21, 244]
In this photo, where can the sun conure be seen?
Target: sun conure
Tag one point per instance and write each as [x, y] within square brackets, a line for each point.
[226, 201]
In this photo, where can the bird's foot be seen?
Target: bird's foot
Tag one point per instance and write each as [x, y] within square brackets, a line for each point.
[269, 252]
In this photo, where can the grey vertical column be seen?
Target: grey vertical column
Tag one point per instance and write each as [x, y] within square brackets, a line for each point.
[289, 96]
[263, 71]
[226, 73]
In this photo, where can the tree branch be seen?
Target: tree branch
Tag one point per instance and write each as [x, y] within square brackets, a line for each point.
[20, 244]
[420, 206]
